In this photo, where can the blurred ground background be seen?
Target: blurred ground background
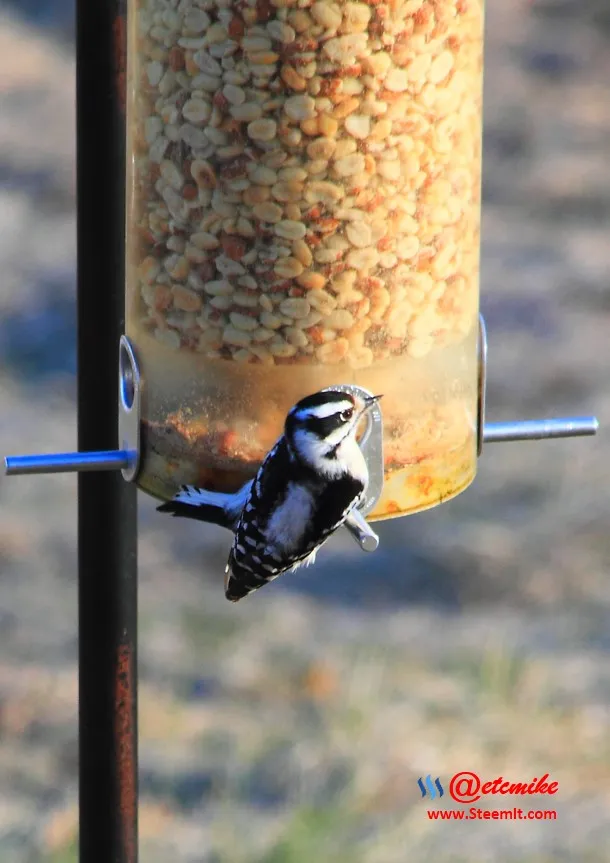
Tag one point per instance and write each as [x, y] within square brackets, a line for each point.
[294, 728]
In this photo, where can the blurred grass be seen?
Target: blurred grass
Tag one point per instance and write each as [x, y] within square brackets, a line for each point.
[316, 834]
[67, 854]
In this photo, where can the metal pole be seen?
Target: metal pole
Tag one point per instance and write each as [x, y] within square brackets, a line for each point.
[107, 526]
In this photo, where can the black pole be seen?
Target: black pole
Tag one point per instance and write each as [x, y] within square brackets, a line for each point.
[107, 526]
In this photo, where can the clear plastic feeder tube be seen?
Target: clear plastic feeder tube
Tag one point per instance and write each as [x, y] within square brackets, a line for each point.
[303, 210]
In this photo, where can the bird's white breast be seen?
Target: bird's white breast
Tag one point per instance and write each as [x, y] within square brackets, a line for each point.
[287, 525]
[351, 457]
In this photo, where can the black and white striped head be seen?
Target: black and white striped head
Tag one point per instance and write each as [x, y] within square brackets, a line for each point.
[321, 430]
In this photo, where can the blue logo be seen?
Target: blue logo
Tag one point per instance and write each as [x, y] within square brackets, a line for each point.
[430, 786]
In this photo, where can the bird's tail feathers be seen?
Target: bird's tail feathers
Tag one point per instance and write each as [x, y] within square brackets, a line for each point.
[241, 580]
[200, 504]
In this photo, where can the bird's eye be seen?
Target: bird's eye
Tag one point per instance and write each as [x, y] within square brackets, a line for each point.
[347, 415]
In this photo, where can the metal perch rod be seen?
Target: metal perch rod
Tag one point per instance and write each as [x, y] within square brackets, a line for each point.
[356, 524]
[118, 459]
[65, 462]
[540, 429]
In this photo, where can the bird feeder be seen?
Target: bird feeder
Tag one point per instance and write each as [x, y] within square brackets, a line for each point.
[303, 211]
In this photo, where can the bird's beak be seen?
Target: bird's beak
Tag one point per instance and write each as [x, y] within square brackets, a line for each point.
[370, 401]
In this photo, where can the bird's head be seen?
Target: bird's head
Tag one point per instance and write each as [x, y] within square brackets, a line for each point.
[321, 429]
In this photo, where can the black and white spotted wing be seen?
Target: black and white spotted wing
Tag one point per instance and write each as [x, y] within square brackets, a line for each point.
[289, 513]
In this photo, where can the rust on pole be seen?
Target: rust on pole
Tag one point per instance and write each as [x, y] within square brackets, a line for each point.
[126, 736]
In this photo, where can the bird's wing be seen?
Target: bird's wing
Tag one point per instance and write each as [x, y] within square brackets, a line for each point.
[252, 563]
